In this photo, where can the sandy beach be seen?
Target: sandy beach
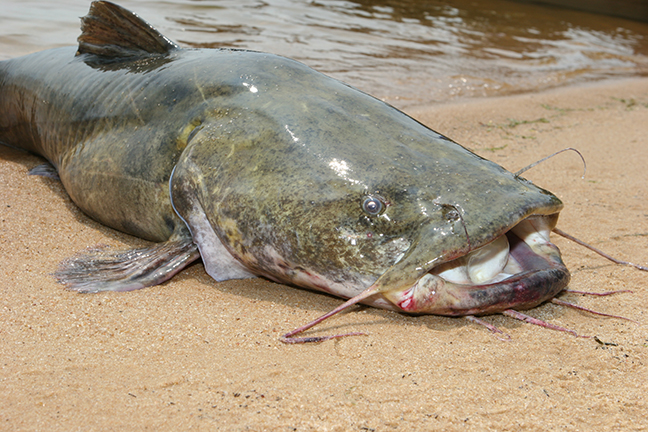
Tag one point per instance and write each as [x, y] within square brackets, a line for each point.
[195, 354]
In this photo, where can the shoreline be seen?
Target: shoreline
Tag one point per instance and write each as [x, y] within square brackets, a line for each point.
[197, 353]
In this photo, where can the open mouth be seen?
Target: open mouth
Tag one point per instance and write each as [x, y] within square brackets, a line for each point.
[525, 247]
[518, 270]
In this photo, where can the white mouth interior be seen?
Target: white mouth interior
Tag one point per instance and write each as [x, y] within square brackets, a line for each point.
[493, 262]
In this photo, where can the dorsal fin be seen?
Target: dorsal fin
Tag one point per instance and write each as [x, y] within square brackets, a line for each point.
[112, 32]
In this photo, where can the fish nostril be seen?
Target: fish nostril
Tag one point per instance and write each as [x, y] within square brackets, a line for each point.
[452, 216]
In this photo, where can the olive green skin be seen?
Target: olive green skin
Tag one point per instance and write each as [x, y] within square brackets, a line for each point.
[111, 134]
[279, 157]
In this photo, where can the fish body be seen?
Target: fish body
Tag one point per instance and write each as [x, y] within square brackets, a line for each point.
[262, 166]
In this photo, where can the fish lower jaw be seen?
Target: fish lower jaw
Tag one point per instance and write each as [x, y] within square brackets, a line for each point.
[518, 270]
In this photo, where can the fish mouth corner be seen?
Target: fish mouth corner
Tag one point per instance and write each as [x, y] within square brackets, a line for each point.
[517, 270]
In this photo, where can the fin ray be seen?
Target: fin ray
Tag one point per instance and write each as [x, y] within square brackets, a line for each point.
[101, 269]
[45, 170]
[112, 32]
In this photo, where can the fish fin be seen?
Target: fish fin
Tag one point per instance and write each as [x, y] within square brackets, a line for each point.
[99, 269]
[112, 32]
[219, 262]
[45, 170]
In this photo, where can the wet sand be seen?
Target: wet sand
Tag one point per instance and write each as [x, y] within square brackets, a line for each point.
[197, 354]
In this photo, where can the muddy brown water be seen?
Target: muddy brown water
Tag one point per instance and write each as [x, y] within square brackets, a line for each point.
[405, 52]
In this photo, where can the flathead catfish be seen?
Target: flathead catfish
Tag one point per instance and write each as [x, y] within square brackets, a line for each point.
[262, 166]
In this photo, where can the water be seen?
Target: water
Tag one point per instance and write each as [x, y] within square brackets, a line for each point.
[405, 52]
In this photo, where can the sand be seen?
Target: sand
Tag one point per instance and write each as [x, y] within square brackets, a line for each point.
[197, 354]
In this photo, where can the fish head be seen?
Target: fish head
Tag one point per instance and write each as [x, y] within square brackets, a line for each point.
[336, 191]
[475, 238]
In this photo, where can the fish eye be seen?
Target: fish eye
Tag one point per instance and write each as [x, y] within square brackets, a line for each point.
[372, 206]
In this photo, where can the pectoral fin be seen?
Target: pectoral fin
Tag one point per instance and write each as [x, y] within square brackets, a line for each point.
[45, 170]
[102, 269]
[186, 188]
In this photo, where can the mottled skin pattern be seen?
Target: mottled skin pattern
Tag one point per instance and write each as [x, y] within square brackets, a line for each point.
[278, 157]
[291, 169]
[286, 171]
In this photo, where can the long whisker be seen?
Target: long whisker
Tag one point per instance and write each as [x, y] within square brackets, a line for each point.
[603, 294]
[575, 306]
[531, 320]
[598, 251]
[528, 167]
[289, 339]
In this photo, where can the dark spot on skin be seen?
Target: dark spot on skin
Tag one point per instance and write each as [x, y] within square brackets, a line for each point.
[132, 228]
[283, 266]
[170, 222]
[222, 90]
[303, 270]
